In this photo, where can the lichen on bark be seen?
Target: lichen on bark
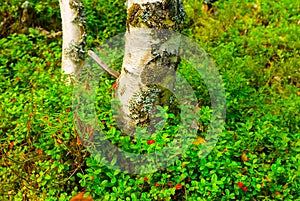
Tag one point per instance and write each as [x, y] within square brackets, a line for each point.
[156, 71]
[168, 14]
[142, 103]
[76, 50]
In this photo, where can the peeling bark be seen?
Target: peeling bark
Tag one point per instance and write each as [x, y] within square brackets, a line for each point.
[149, 64]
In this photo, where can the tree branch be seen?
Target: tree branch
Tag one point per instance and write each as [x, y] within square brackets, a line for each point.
[112, 72]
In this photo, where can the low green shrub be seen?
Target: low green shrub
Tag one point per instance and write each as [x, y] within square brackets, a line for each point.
[255, 47]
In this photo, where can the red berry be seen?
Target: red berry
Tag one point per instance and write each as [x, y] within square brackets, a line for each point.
[178, 186]
[12, 144]
[145, 178]
[38, 151]
[150, 142]
[240, 184]
[245, 189]
[114, 85]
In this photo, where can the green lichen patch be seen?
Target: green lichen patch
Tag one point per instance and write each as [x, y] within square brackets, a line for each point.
[159, 15]
[160, 69]
[141, 105]
[76, 50]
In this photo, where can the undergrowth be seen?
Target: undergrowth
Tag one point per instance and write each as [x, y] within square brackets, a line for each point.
[255, 46]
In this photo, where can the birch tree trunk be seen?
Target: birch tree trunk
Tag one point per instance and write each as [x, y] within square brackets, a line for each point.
[74, 36]
[147, 76]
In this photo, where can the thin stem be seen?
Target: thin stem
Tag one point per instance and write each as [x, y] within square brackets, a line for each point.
[112, 72]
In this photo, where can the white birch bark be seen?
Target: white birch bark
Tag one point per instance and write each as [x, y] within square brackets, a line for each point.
[73, 20]
[137, 54]
[139, 41]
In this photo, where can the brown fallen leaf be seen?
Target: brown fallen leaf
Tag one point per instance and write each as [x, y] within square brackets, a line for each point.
[80, 197]
[244, 157]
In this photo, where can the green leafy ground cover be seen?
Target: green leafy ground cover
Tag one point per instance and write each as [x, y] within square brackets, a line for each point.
[255, 46]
